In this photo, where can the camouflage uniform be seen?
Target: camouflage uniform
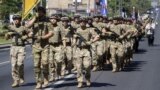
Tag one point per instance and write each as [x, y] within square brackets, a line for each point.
[17, 52]
[98, 49]
[40, 51]
[67, 36]
[75, 25]
[56, 59]
[116, 48]
[83, 55]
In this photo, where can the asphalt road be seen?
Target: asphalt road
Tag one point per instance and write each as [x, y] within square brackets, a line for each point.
[143, 74]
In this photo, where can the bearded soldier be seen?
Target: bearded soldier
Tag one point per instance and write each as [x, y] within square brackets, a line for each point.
[41, 32]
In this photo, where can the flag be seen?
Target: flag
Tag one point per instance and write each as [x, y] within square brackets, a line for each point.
[28, 5]
[104, 7]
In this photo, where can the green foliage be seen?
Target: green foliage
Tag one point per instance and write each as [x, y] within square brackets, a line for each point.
[140, 5]
[9, 6]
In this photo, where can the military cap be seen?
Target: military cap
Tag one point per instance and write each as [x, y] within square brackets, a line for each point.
[97, 16]
[105, 17]
[83, 19]
[64, 19]
[110, 18]
[89, 18]
[76, 16]
[15, 17]
[54, 16]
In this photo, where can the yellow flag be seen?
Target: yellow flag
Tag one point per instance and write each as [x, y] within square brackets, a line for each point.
[28, 5]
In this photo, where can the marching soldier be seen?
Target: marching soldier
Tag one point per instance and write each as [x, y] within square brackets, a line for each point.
[41, 32]
[75, 24]
[84, 39]
[97, 46]
[67, 39]
[18, 34]
[56, 58]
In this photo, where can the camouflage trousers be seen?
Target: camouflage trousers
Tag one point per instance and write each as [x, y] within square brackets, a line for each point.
[40, 56]
[56, 61]
[129, 51]
[68, 52]
[83, 63]
[17, 60]
[108, 44]
[97, 51]
[74, 57]
[117, 55]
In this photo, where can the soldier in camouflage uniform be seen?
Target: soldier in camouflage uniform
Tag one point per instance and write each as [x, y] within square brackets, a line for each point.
[41, 32]
[116, 46]
[98, 47]
[67, 39]
[18, 34]
[56, 58]
[75, 24]
[84, 39]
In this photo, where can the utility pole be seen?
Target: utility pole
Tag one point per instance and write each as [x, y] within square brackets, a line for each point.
[88, 8]
[76, 5]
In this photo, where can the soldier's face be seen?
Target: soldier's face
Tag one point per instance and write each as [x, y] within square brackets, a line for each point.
[64, 23]
[83, 24]
[40, 14]
[96, 19]
[89, 21]
[53, 21]
[76, 20]
[16, 22]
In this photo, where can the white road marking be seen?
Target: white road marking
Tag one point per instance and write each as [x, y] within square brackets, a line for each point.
[61, 81]
[6, 62]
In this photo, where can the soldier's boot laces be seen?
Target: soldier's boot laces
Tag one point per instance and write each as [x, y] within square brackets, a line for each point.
[88, 83]
[38, 86]
[46, 83]
[80, 84]
[15, 84]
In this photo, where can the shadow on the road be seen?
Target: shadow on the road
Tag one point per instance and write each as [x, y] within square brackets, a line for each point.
[29, 84]
[134, 66]
[94, 84]
[141, 51]
[70, 79]
[156, 45]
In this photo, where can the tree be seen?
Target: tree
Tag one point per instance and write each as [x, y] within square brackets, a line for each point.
[9, 6]
[140, 5]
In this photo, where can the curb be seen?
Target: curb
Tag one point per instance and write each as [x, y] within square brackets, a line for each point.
[2, 46]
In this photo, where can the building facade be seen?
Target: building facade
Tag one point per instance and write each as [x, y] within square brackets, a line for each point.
[71, 6]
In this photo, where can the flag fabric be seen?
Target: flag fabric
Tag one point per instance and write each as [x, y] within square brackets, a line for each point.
[28, 5]
[104, 7]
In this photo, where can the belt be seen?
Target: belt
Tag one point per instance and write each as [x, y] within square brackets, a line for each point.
[68, 44]
[84, 47]
[55, 44]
